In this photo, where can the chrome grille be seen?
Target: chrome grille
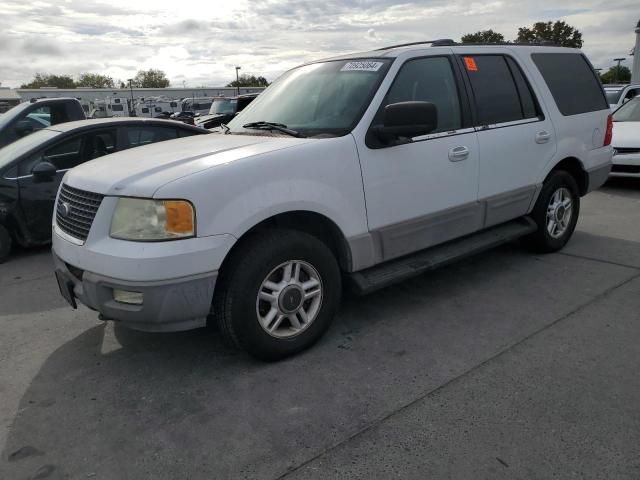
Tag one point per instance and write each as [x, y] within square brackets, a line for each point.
[76, 210]
[623, 151]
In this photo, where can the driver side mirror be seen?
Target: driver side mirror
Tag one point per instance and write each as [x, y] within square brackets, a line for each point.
[44, 172]
[407, 120]
[23, 128]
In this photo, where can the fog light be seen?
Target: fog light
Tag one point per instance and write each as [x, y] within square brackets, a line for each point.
[125, 296]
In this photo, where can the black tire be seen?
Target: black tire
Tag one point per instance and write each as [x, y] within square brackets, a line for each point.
[542, 240]
[5, 244]
[235, 301]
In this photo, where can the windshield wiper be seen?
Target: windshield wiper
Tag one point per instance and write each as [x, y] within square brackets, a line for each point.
[225, 127]
[281, 127]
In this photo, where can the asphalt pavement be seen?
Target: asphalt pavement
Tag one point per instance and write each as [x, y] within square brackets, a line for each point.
[508, 365]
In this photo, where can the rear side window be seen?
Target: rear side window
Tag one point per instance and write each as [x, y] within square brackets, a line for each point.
[572, 81]
[138, 136]
[500, 90]
[187, 133]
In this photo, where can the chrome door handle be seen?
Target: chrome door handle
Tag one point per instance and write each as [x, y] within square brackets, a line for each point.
[457, 154]
[543, 137]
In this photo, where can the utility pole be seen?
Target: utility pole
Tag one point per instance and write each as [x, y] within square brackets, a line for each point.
[132, 110]
[238, 80]
[617, 75]
[635, 69]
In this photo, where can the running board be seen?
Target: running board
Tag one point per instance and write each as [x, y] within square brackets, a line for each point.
[394, 271]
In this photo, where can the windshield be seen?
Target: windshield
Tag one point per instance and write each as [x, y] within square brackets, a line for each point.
[629, 112]
[613, 95]
[223, 105]
[13, 113]
[201, 106]
[321, 98]
[23, 145]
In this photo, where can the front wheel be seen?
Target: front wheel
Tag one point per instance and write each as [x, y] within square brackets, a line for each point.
[556, 213]
[278, 293]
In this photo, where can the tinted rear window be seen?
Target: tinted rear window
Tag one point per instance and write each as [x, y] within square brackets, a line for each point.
[572, 81]
[500, 90]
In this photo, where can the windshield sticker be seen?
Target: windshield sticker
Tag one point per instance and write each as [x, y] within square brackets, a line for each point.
[470, 63]
[361, 67]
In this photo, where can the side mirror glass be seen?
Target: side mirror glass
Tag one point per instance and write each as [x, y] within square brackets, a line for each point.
[407, 120]
[24, 128]
[44, 171]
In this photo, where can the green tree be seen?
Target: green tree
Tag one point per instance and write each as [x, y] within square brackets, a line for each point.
[249, 81]
[615, 75]
[151, 78]
[48, 80]
[95, 80]
[559, 33]
[483, 36]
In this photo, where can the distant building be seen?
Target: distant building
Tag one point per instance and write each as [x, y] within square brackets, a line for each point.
[8, 98]
[92, 94]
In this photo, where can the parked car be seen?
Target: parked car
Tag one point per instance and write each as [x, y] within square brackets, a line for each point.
[223, 109]
[620, 94]
[35, 115]
[197, 105]
[184, 117]
[31, 169]
[626, 140]
[370, 167]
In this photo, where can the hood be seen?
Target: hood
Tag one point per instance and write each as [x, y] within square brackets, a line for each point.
[139, 172]
[626, 135]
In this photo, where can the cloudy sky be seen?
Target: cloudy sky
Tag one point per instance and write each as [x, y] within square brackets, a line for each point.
[200, 42]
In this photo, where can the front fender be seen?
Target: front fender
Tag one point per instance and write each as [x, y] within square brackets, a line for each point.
[321, 176]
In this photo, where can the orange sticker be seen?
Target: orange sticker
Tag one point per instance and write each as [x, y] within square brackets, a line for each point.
[470, 63]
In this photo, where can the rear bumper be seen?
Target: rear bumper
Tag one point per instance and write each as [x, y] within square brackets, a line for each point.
[168, 305]
[598, 176]
[626, 165]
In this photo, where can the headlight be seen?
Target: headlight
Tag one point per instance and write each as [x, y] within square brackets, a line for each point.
[147, 220]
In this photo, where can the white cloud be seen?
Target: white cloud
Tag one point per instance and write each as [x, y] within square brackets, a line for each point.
[200, 41]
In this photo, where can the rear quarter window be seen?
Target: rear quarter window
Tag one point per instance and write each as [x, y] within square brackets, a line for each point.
[572, 82]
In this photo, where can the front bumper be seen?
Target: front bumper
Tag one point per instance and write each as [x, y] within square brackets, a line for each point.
[169, 305]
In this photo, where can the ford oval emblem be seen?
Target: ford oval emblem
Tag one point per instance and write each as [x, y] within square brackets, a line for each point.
[65, 209]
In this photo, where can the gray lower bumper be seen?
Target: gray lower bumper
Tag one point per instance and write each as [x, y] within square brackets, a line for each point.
[598, 176]
[171, 305]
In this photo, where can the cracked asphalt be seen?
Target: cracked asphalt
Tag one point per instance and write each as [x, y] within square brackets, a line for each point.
[508, 365]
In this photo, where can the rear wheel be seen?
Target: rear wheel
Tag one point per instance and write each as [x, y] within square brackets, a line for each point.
[5, 244]
[278, 293]
[556, 213]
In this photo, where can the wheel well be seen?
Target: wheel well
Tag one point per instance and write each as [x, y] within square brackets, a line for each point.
[312, 223]
[574, 167]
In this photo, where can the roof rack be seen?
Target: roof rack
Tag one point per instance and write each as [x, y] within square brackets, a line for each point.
[449, 42]
[434, 43]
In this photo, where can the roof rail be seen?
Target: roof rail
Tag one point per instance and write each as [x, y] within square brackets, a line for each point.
[434, 43]
[449, 42]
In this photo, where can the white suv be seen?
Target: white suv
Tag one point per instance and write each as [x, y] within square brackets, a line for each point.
[367, 169]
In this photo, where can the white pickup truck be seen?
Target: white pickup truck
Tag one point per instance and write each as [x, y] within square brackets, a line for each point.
[367, 169]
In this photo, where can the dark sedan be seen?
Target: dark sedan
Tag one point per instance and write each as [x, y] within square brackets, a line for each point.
[31, 168]
[223, 109]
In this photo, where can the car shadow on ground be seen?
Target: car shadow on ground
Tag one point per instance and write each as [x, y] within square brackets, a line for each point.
[115, 403]
[622, 186]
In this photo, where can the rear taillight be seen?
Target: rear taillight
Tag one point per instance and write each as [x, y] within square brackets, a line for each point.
[609, 132]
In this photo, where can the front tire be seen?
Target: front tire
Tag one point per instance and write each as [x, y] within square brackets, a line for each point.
[556, 213]
[5, 244]
[277, 294]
